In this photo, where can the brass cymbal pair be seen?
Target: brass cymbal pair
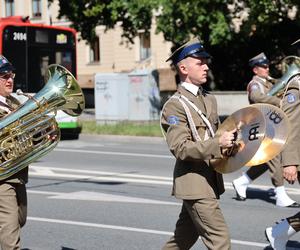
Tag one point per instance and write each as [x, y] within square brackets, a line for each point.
[262, 131]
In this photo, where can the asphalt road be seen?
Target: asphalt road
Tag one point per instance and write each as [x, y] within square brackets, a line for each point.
[113, 193]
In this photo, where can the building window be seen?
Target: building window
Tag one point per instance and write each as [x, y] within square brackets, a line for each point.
[145, 51]
[36, 8]
[95, 50]
[9, 7]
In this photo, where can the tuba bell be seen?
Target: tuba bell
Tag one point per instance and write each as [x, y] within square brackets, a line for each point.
[291, 66]
[31, 131]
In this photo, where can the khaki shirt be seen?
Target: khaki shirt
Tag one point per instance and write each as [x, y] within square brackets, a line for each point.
[257, 91]
[22, 175]
[291, 107]
[193, 176]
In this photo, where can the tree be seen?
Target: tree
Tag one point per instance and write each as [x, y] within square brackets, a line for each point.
[269, 26]
[85, 15]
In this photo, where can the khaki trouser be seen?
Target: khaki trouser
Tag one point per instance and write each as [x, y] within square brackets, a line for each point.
[202, 218]
[294, 220]
[13, 213]
[275, 170]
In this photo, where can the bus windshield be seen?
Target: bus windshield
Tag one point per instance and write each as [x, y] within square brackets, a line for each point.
[32, 49]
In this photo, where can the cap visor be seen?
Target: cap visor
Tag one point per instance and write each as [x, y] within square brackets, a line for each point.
[201, 54]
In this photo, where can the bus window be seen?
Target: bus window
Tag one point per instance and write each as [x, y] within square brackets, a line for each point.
[64, 59]
[41, 36]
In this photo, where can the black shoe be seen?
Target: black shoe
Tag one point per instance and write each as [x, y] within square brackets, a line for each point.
[294, 205]
[239, 197]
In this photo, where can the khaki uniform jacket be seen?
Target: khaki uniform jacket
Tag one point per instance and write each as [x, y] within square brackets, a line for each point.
[193, 177]
[21, 176]
[257, 91]
[291, 107]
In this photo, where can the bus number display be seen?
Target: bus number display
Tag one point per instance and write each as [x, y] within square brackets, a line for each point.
[19, 36]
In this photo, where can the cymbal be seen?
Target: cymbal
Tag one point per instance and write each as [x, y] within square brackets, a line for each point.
[251, 128]
[276, 134]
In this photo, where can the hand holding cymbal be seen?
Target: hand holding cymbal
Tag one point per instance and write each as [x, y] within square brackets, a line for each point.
[227, 139]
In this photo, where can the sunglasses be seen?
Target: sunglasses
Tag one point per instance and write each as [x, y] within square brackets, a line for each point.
[7, 76]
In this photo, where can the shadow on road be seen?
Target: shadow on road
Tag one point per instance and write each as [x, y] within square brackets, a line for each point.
[258, 194]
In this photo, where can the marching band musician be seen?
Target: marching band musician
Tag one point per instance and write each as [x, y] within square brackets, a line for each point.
[257, 90]
[279, 234]
[13, 197]
[189, 120]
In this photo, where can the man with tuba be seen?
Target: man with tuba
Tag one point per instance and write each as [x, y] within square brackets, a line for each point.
[257, 90]
[13, 197]
[189, 120]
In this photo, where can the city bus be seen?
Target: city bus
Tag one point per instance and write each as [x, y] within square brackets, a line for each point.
[31, 47]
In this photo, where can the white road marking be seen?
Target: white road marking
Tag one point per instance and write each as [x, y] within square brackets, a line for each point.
[113, 153]
[40, 169]
[123, 177]
[97, 196]
[130, 229]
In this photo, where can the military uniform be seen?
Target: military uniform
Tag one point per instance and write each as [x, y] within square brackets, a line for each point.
[291, 106]
[188, 121]
[291, 152]
[13, 197]
[257, 90]
[279, 234]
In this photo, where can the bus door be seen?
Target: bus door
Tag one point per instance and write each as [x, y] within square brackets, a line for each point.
[38, 62]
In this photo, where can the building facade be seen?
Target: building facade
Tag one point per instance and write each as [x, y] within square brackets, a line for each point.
[109, 54]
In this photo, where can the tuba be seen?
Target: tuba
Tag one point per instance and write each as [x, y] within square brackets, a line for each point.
[291, 67]
[31, 131]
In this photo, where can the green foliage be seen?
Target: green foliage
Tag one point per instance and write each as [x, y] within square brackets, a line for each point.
[264, 14]
[132, 15]
[267, 26]
[181, 19]
[178, 20]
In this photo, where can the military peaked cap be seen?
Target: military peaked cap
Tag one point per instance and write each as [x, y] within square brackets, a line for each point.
[192, 48]
[5, 65]
[259, 60]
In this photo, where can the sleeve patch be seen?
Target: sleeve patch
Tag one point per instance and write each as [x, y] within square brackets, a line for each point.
[173, 120]
[254, 87]
[291, 98]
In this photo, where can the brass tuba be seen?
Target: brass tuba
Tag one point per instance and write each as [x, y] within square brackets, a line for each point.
[31, 131]
[291, 67]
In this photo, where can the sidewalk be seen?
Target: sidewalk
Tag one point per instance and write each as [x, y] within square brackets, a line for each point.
[87, 115]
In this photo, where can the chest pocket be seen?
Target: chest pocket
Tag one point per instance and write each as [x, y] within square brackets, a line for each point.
[214, 118]
[201, 126]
